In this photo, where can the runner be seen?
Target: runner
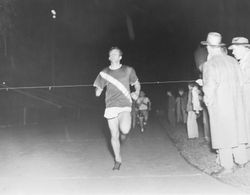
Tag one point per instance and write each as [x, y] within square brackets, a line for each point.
[117, 79]
[144, 106]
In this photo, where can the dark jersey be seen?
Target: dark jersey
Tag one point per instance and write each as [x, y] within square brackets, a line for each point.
[117, 83]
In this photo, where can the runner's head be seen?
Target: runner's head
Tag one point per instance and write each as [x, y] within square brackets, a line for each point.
[115, 55]
[142, 94]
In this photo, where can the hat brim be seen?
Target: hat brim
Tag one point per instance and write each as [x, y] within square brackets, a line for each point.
[206, 43]
[238, 44]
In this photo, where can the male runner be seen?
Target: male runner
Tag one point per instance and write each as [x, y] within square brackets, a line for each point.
[117, 79]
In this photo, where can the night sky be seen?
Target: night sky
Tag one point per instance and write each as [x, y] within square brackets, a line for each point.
[158, 37]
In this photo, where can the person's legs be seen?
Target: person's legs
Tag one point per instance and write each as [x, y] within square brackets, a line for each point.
[189, 124]
[133, 116]
[171, 117]
[141, 121]
[184, 115]
[226, 161]
[115, 142]
[143, 118]
[195, 125]
[206, 125]
[179, 118]
[192, 125]
[226, 158]
[145, 113]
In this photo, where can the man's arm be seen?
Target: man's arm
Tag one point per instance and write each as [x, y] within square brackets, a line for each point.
[137, 86]
[98, 91]
[99, 84]
[136, 93]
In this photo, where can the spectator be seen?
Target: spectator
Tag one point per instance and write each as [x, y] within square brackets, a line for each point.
[171, 109]
[192, 126]
[205, 116]
[241, 50]
[181, 104]
[222, 95]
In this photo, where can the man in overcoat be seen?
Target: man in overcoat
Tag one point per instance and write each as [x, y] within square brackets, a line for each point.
[222, 95]
[241, 50]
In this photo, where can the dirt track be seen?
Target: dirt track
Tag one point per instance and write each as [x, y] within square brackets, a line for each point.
[74, 158]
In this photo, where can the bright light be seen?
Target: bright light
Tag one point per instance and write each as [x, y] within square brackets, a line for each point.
[53, 12]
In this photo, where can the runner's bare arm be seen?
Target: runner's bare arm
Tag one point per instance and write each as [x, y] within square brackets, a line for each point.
[137, 86]
[98, 91]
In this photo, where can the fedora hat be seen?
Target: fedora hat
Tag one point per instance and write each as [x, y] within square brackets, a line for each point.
[239, 41]
[213, 39]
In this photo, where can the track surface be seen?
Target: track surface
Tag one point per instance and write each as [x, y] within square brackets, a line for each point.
[74, 158]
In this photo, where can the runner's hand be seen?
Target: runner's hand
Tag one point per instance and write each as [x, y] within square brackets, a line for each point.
[134, 96]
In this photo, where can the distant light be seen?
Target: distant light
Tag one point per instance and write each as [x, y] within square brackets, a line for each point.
[3, 83]
[53, 13]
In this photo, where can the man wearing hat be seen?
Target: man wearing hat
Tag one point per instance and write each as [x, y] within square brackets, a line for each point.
[222, 95]
[241, 50]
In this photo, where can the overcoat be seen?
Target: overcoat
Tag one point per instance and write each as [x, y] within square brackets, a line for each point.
[245, 68]
[224, 100]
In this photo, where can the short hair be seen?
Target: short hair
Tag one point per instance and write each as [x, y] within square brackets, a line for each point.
[116, 48]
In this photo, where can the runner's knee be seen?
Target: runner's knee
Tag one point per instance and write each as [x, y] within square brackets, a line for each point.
[125, 127]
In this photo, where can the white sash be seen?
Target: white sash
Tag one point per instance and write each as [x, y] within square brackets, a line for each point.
[118, 85]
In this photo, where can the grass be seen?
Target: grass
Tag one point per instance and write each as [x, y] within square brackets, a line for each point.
[198, 153]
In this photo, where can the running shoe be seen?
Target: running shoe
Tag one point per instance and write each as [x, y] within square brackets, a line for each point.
[117, 166]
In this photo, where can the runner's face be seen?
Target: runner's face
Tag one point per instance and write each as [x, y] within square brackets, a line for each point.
[114, 56]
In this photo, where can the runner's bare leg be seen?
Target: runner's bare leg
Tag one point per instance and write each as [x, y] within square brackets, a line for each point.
[115, 142]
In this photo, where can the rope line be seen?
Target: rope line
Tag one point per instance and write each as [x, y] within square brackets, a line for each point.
[85, 85]
[166, 82]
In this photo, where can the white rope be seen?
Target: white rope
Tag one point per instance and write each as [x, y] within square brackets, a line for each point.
[166, 82]
[4, 87]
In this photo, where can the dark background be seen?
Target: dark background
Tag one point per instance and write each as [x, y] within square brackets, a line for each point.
[158, 38]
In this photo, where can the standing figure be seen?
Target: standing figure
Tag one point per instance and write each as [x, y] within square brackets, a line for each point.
[192, 126]
[222, 95]
[179, 117]
[117, 79]
[241, 50]
[205, 116]
[171, 109]
[181, 106]
[184, 99]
